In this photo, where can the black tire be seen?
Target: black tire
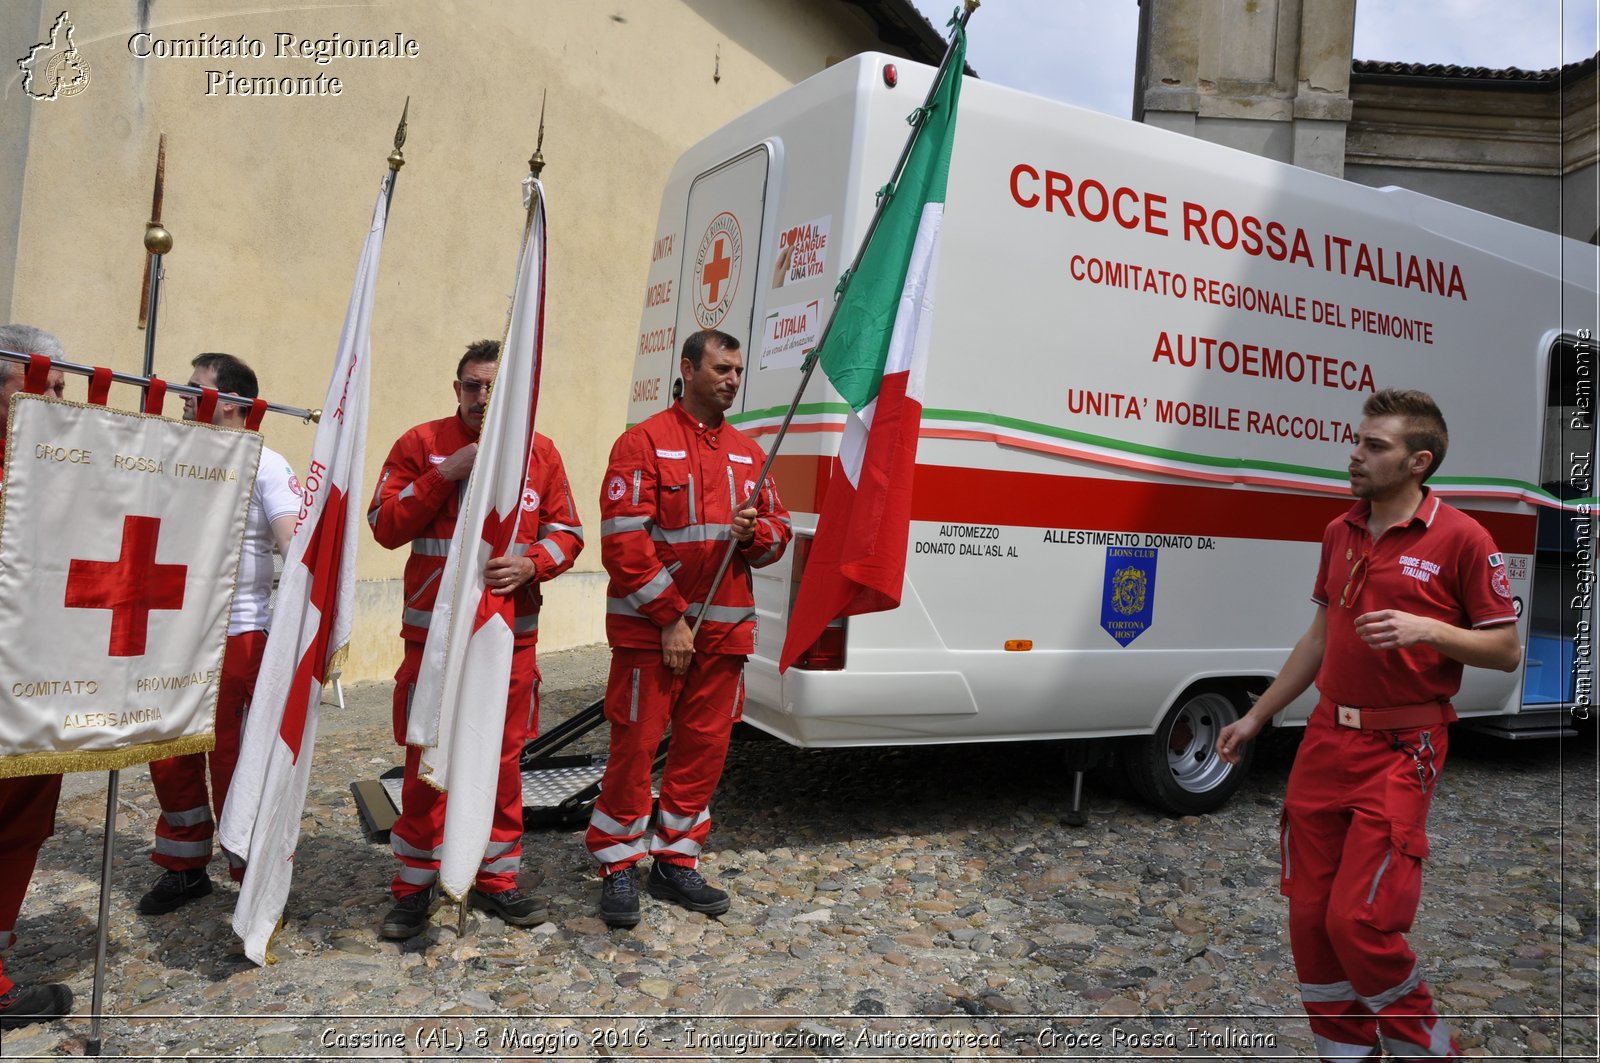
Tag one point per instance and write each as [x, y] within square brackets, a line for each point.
[1177, 769]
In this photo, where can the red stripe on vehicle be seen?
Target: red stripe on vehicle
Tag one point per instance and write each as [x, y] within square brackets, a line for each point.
[954, 495]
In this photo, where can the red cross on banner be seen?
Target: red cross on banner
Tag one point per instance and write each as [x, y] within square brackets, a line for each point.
[131, 586]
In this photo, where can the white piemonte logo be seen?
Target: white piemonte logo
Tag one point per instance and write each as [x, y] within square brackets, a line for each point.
[54, 69]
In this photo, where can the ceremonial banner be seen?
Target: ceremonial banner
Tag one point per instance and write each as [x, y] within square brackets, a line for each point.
[119, 548]
[310, 625]
[458, 711]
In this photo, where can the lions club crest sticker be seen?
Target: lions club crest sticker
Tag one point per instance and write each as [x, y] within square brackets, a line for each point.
[1128, 605]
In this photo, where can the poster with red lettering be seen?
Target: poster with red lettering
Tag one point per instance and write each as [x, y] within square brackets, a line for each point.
[802, 251]
[119, 548]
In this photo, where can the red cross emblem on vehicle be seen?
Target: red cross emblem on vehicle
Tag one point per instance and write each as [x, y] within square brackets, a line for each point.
[717, 268]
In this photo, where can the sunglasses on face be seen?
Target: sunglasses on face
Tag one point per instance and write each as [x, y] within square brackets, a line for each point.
[1353, 585]
[473, 387]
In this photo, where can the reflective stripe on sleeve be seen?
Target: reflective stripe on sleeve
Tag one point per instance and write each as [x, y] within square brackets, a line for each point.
[574, 530]
[659, 584]
[619, 525]
[431, 547]
[557, 555]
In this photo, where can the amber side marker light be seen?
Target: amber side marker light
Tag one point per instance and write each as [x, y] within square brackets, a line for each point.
[1016, 645]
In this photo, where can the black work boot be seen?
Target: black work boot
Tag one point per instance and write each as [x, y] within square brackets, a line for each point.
[36, 1003]
[174, 889]
[683, 885]
[408, 917]
[619, 898]
[512, 905]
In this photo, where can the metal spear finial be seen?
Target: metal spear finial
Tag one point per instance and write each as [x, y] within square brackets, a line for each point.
[536, 161]
[397, 158]
[157, 240]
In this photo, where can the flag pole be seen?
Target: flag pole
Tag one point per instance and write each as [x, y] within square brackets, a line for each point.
[397, 158]
[530, 186]
[809, 367]
[157, 242]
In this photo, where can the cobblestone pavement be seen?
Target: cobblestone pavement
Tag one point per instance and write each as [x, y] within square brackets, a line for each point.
[897, 904]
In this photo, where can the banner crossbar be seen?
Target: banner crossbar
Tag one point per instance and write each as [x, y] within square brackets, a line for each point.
[138, 380]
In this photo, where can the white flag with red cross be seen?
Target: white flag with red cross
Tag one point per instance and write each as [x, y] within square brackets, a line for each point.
[310, 626]
[119, 546]
[458, 710]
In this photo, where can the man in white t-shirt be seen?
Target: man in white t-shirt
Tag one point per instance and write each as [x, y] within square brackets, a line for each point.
[188, 814]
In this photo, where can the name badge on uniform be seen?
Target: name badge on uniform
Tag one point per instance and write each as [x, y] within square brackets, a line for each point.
[671, 453]
[742, 459]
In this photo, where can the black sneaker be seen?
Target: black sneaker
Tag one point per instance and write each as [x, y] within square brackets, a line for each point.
[619, 898]
[683, 885]
[38, 1003]
[175, 889]
[512, 905]
[408, 917]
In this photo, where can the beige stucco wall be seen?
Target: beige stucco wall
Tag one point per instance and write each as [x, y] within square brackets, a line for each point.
[268, 199]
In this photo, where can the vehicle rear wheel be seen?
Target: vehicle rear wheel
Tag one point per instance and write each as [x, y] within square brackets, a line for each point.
[1177, 768]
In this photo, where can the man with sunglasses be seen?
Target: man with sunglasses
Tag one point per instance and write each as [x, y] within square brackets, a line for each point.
[416, 503]
[1408, 592]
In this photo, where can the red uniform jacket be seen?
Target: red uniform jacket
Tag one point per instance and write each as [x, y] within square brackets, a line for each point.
[666, 505]
[414, 504]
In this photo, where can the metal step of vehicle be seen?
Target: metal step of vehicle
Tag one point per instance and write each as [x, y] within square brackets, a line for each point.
[557, 791]
[1543, 722]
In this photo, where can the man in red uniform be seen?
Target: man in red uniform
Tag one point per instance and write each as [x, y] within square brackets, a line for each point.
[189, 812]
[1409, 590]
[677, 489]
[417, 501]
[28, 802]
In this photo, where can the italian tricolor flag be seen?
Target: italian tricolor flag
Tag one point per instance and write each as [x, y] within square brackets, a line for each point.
[876, 356]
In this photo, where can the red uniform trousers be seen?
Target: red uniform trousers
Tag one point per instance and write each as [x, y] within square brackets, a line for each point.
[642, 697]
[1354, 838]
[27, 818]
[416, 835]
[188, 816]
